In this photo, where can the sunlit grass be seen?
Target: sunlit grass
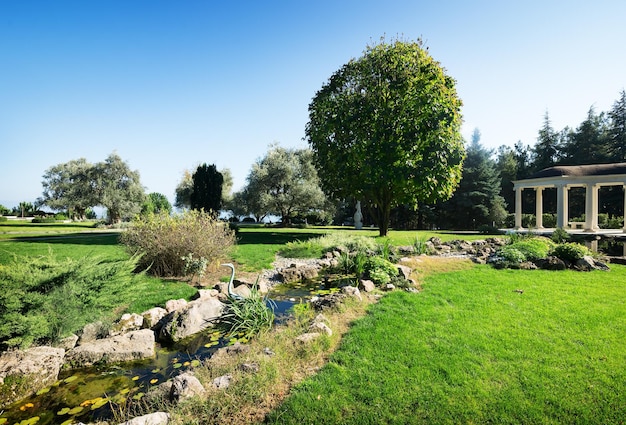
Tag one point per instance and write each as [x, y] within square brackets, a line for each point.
[478, 346]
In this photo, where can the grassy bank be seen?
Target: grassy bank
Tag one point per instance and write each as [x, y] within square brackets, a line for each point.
[474, 348]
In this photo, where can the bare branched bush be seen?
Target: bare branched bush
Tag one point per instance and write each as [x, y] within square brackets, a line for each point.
[164, 241]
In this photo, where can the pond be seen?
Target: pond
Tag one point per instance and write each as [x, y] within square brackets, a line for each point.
[91, 394]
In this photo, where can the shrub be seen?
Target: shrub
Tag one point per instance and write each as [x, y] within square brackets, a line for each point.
[560, 235]
[510, 254]
[244, 318]
[380, 270]
[3, 218]
[570, 251]
[60, 217]
[43, 299]
[163, 241]
[534, 248]
[43, 220]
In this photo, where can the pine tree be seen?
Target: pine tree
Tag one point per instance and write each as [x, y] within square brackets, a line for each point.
[207, 189]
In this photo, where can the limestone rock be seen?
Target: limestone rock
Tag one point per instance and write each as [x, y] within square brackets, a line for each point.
[41, 366]
[92, 332]
[368, 285]
[127, 323]
[307, 338]
[157, 418]
[320, 327]
[153, 317]
[249, 367]
[174, 305]
[295, 273]
[222, 382]
[133, 345]
[205, 294]
[195, 317]
[184, 386]
[589, 263]
[404, 271]
[68, 342]
[352, 291]
[242, 290]
[551, 263]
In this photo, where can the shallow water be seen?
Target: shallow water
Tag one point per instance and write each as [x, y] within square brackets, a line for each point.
[91, 394]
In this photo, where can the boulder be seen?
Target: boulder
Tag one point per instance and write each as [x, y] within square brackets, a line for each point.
[242, 290]
[92, 332]
[249, 367]
[551, 263]
[404, 271]
[307, 338]
[152, 318]
[39, 365]
[128, 322]
[296, 273]
[352, 291]
[205, 294]
[133, 345]
[320, 327]
[173, 305]
[195, 317]
[185, 386]
[157, 418]
[589, 263]
[327, 301]
[68, 342]
[368, 285]
[222, 382]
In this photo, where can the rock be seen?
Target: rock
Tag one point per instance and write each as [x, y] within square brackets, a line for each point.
[320, 327]
[127, 323]
[205, 294]
[352, 291]
[174, 305]
[368, 285]
[268, 352]
[406, 249]
[195, 317]
[296, 273]
[307, 338]
[327, 301]
[133, 345]
[40, 366]
[185, 386]
[152, 318]
[249, 367]
[320, 318]
[92, 332]
[68, 342]
[404, 271]
[551, 263]
[390, 287]
[588, 263]
[157, 418]
[222, 382]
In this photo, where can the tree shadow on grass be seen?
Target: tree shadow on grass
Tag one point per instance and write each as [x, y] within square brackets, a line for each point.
[103, 238]
[274, 238]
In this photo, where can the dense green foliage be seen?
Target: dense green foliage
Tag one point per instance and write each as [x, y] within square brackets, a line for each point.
[44, 298]
[206, 193]
[570, 251]
[477, 201]
[284, 183]
[163, 241]
[385, 129]
[245, 318]
[156, 203]
[77, 185]
[470, 349]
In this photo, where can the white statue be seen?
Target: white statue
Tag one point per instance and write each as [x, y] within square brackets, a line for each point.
[358, 217]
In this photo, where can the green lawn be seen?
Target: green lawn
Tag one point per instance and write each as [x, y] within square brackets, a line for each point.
[471, 349]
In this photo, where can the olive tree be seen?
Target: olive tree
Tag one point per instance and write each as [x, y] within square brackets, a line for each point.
[283, 183]
[68, 186]
[385, 129]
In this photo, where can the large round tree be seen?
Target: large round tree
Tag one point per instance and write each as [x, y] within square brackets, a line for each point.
[385, 129]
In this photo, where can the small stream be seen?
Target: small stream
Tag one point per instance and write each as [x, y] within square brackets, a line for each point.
[92, 394]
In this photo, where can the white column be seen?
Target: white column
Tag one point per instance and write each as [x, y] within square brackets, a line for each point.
[624, 228]
[518, 208]
[591, 207]
[562, 207]
[539, 207]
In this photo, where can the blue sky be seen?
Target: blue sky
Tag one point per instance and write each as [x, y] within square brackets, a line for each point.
[169, 85]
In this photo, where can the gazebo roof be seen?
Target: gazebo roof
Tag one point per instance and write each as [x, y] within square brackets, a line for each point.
[581, 170]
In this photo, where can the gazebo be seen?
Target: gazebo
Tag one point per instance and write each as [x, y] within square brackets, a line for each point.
[591, 177]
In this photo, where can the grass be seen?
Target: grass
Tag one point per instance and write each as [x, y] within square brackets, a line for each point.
[472, 349]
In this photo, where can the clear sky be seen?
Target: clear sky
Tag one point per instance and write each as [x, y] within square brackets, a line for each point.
[169, 85]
